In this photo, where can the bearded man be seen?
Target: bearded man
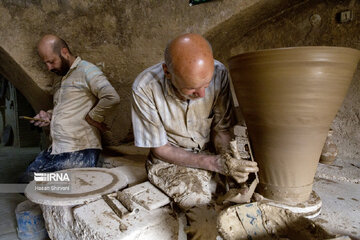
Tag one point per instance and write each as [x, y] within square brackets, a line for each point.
[82, 96]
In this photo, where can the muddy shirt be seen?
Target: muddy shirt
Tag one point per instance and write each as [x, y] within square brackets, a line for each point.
[83, 90]
[160, 117]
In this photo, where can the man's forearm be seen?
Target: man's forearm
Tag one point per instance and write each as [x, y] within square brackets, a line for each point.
[179, 156]
[221, 141]
[107, 100]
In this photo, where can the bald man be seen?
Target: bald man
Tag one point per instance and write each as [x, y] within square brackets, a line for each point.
[179, 108]
[82, 96]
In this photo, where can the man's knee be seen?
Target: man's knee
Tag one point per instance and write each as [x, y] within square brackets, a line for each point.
[39, 162]
[188, 187]
[186, 190]
[191, 199]
[78, 159]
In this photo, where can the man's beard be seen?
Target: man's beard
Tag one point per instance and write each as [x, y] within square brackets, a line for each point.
[64, 67]
[189, 97]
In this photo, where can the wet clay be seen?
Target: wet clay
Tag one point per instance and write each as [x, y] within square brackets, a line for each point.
[281, 223]
[289, 98]
[114, 180]
[84, 187]
[190, 187]
[262, 221]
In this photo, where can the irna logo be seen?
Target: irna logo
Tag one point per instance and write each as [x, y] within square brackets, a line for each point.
[51, 177]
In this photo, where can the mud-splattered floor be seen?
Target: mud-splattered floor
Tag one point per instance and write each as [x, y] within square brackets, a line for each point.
[338, 186]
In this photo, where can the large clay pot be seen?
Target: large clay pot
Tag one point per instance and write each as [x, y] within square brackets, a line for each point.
[289, 98]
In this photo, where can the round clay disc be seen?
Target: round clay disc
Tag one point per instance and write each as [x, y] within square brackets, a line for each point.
[86, 185]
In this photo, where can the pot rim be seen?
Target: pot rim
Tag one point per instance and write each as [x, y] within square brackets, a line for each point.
[293, 49]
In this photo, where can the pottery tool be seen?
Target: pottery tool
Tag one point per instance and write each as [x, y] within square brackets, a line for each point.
[112, 205]
[33, 119]
[251, 190]
[238, 195]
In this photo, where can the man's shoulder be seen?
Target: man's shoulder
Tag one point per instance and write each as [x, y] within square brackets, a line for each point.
[85, 64]
[220, 74]
[89, 69]
[150, 78]
[219, 66]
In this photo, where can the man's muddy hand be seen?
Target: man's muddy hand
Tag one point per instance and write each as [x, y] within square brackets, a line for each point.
[239, 169]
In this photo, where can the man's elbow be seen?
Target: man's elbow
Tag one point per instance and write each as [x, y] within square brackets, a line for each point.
[116, 99]
[159, 152]
[113, 100]
[156, 152]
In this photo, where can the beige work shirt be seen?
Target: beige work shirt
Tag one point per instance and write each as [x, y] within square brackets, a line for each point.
[83, 90]
[160, 117]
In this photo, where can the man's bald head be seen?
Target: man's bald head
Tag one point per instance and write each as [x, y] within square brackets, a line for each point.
[55, 53]
[190, 63]
[52, 42]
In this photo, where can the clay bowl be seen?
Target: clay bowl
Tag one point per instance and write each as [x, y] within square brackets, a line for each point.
[289, 98]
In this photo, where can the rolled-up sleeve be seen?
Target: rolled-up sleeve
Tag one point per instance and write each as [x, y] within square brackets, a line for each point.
[148, 129]
[103, 90]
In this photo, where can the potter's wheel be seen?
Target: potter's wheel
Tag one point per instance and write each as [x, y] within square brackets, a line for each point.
[86, 184]
[309, 209]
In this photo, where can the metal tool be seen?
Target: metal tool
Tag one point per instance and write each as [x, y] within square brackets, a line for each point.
[234, 194]
[236, 154]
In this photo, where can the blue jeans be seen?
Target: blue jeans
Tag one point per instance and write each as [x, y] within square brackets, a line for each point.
[47, 162]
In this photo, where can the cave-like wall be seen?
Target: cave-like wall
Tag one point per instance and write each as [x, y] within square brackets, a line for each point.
[37, 97]
[123, 37]
[310, 23]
